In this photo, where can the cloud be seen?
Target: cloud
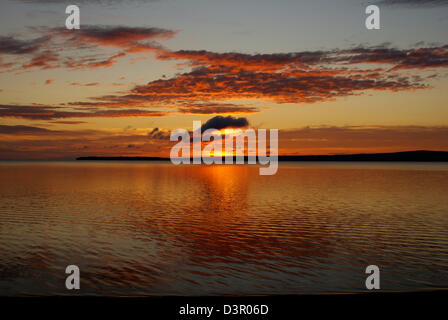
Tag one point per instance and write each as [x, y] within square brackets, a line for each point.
[20, 129]
[43, 60]
[216, 108]
[74, 49]
[296, 77]
[291, 63]
[92, 63]
[159, 134]
[220, 122]
[301, 77]
[69, 122]
[416, 3]
[92, 84]
[127, 38]
[420, 58]
[39, 112]
[5, 65]
[254, 62]
[112, 101]
[10, 45]
[97, 2]
[216, 85]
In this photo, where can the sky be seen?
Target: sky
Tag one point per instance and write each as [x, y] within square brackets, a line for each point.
[138, 69]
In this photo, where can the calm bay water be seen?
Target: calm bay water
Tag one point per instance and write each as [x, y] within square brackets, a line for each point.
[154, 228]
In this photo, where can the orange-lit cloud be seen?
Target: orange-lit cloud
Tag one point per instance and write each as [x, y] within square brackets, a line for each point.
[130, 39]
[224, 84]
[92, 84]
[39, 112]
[302, 77]
[216, 108]
[41, 51]
[43, 60]
[69, 122]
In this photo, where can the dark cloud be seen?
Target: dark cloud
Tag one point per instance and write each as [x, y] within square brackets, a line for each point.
[220, 122]
[130, 39]
[290, 63]
[159, 134]
[69, 122]
[39, 112]
[96, 2]
[112, 101]
[54, 47]
[11, 45]
[415, 3]
[420, 58]
[216, 108]
[91, 63]
[24, 130]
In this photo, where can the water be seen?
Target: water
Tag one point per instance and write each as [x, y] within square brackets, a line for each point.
[157, 229]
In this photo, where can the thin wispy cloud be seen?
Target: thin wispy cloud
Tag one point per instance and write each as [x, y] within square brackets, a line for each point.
[24, 130]
[129, 39]
[54, 48]
[216, 108]
[91, 84]
[12, 45]
[94, 2]
[414, 3]
[39, 112]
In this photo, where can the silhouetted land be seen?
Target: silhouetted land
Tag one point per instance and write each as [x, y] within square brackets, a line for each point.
[407, 156]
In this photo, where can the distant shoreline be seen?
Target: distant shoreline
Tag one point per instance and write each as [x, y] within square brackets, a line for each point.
[406, 156]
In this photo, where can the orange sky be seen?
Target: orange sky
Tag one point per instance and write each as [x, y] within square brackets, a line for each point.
[120, 88]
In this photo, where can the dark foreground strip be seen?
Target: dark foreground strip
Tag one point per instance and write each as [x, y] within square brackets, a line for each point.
[428, 305]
